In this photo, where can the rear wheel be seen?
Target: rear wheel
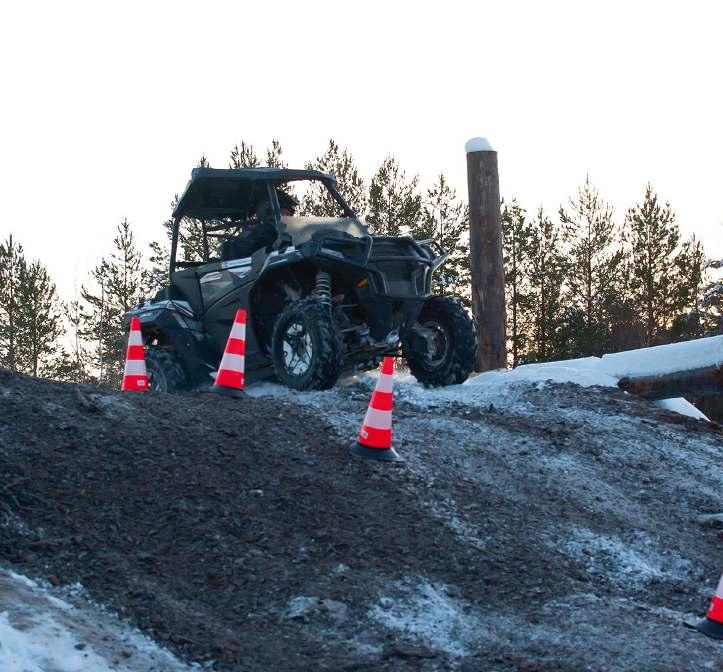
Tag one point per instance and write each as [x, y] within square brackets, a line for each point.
[454, 344]
[306, 348]
[165, 373]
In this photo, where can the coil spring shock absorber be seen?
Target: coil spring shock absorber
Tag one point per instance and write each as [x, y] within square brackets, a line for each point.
[322, 291]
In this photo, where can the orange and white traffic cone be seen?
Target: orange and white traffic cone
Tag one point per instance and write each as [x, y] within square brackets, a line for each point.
[712, 624]
[375, 436]
[230, 374]
[135, 377]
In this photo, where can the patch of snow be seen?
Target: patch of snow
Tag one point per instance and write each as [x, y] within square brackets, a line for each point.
[266, 389]
[301, 606]
[23, 579]
[682, 406]
[505, 388]
[14, 522]
[664, 359]
[430, 615]
[584, 372]
[41, 633]
[625, 563]
[44, 646]
[477, 145]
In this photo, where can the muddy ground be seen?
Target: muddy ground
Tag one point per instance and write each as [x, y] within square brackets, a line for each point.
[552, 528]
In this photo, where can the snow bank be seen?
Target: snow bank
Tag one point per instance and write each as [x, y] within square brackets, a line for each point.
[41, 633]
[585, 372]
[606, 371]
[664, 359]
[682, 406]
[492, 386]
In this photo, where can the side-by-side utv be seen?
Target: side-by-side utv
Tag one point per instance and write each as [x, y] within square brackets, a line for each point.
[322, 295]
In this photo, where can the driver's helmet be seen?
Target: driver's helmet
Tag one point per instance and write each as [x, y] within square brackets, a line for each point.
[287, 201]
[263, 210]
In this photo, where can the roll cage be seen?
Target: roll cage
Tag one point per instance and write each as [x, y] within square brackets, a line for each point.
[229, 196]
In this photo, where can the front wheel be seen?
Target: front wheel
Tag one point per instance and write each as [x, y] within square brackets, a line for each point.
[306, 348]
[165, 373]
[453, 349]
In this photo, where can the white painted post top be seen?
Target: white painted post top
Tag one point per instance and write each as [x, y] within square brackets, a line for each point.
[477, 145]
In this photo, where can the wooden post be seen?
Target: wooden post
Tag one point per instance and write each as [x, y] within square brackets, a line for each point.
[485, 249]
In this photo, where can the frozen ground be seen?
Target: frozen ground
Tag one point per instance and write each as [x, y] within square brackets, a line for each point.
[535, 524]
[588, 469]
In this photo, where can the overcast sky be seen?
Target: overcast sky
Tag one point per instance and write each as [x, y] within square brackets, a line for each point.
[106, 107]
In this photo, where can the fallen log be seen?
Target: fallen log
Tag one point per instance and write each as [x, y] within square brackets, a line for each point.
[694, 383]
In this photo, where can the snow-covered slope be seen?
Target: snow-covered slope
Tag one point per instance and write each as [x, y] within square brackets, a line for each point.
[41, 633]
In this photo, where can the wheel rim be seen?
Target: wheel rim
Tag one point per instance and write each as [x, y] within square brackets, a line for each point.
[156, 380]
[298, 349]
[441, 344]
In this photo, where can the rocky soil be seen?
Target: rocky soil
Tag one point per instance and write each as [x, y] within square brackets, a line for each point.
[531, 528]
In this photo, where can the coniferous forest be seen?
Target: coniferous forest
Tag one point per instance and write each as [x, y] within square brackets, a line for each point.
[581, 281]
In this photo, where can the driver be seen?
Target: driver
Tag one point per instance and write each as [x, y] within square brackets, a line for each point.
[262, 228]
[287, 203]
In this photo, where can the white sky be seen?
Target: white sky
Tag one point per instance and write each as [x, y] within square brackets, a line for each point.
[106, 107]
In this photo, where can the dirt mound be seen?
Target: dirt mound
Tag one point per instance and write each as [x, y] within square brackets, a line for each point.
[241, 532]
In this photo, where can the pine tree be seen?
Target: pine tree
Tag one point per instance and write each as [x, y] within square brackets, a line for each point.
[595, 261]
[516, 234]
[651, 235]
[12, 271]
[445, 220]
[190, 243]
[39, 320]
[547, 268]
[627, 328]
[273, 155]
[119, 283]
[72, 364]
[155, 275]
[340, 163]
[686, 281]
[243, 156]
[190, 232]
[712, 301]
[30, 314]
[395, 206]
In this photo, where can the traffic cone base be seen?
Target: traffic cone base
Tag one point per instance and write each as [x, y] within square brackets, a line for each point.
[375, 436]
[228, 391]
[710, 628]
[712, 624]
[381, 454]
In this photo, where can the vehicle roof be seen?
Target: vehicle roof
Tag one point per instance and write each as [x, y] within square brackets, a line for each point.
[215, 192]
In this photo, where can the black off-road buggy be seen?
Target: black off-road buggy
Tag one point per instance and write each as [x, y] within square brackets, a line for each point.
[322, 295]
